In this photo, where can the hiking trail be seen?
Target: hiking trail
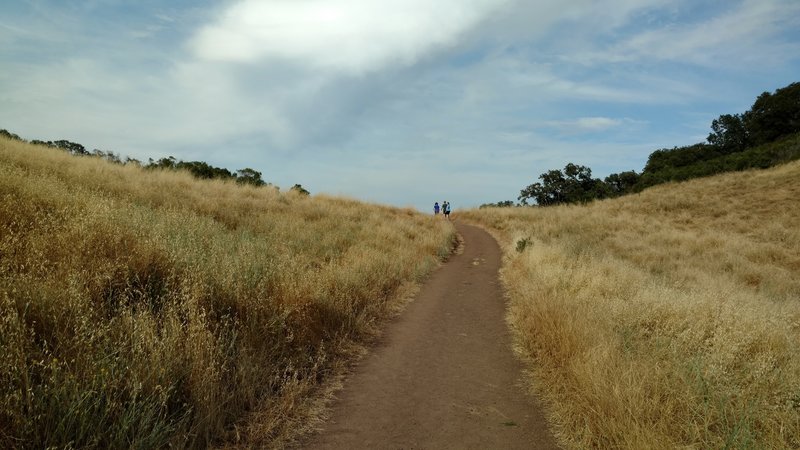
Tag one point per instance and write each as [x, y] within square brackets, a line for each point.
[443, 375]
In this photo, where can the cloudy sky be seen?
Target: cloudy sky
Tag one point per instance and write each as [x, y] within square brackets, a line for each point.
[402, 102]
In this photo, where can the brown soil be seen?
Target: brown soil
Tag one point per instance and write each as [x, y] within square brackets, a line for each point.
[444, 374]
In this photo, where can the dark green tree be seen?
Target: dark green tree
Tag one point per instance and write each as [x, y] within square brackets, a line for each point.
[299, 189]
[667, 159]
[201, 169]
[71, 147]
[622, 183]
[249, 176]
[729, 133]
[574, 185]
[108, 156]
[500, 204]
[10, 135]
[774, 115]
[163, 163]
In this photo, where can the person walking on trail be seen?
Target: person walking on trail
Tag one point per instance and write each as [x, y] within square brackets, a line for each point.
[436, 209]
[446, 209]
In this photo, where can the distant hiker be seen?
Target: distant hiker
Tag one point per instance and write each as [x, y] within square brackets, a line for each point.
[436, 209]
[446, 209]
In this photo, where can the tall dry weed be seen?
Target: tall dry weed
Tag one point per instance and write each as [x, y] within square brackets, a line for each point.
[145, 308]
[667, 319]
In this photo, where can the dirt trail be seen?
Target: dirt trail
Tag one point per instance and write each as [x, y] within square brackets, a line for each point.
[444, 375]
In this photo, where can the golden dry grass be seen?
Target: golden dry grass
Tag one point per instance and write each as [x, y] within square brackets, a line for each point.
[666, 319]
[144, 309]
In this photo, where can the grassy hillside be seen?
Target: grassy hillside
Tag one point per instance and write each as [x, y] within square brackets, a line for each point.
[146, 308]
[666, 319]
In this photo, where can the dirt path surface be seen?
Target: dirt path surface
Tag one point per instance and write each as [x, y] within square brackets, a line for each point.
[443, 375]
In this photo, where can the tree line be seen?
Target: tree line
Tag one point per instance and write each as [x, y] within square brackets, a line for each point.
[763, 136]
[199, 169]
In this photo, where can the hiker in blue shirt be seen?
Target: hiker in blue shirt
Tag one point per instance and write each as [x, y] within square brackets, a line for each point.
[436, 209]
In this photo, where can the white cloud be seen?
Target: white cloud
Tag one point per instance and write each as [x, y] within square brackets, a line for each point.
[351, 36]
[584, 124]
[742, 34]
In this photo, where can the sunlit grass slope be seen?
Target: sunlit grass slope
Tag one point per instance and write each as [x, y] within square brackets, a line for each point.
[144, 309]
[666, 319]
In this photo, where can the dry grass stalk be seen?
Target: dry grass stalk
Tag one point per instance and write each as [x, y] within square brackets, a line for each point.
[667, 319]
[146, 308]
